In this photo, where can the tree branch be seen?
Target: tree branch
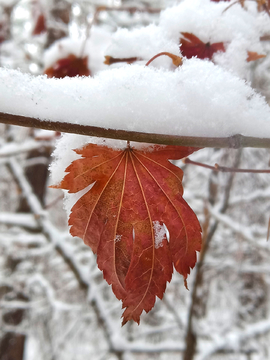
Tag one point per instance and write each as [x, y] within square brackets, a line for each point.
[235, 141]
[225, 168]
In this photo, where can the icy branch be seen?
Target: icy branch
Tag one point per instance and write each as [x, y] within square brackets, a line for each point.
[11, 149]
[241, 230]
[234, 340]
[52, 233]
[24, 220]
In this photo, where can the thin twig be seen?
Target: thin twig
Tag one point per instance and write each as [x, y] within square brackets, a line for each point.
[226, 169]
[54, 202]
[268, 230]
[174, 312]
[99, 9]
[265, 38]
[242, 2]
[109, 60]
[236, 141]
[130, 9]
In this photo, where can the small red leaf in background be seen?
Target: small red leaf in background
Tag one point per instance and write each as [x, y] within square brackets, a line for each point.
[70, 66]
[40, 26]
[193, 46]
[126, 216]
[252, 56]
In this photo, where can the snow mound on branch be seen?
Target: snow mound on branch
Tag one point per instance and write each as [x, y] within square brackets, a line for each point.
[197, 99]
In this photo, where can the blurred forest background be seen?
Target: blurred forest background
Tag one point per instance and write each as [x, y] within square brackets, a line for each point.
[54, 303]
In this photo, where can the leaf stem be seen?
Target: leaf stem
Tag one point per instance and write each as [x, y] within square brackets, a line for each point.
[177, 60]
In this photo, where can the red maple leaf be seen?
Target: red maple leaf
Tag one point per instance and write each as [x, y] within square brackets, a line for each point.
[40, 25]
[193, 46]
[70, 66]
[135, 219]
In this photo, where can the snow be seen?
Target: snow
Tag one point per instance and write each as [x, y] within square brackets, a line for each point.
[197, 99]
[160, 234]
[10, 149]
[94, 48]
[234, 340]
[26, 220]
[117, 238]
[142, 43]
[239, 29]
[8, 2]
[210, 21]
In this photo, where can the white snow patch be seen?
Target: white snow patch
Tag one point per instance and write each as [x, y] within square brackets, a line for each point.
[64, 155]
[160, 233]
[143, 43]
[208, 20]
[240, 29]
[117, 238]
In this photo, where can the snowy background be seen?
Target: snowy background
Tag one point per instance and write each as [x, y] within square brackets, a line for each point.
[54, 303]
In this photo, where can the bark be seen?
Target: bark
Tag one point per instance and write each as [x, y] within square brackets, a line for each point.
[236, 141]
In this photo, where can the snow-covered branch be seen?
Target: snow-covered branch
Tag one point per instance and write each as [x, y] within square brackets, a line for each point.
[24, 220]
[139, 103]
[235, 141]
[11, 149]
[50, 231]
[233, 342]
